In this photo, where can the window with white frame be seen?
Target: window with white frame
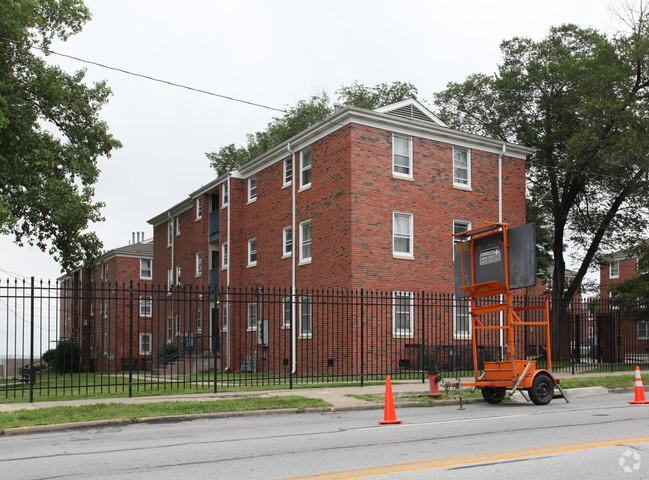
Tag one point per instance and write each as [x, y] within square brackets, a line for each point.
[252, 315]
[402, 156]
[287, 242]
[252, 188]
[170, 233]
[177, 324]
[403, 314]
[305, 241]
[305, 168]
[146, 305]
[288, 171]
[199, 264]
[252, 252]
[462, 319]
[177, 275]
[145, 343]
[178, 225]
[105, 308]
[170, 329]
[402, 235]
[614, 269]
[225, 194]
[225, 254]
[461, 167]
[286, 312]
[305, 311]
[199, 208]
[643, 330]
[459, 226]
[146, 268]
[199, 320]
[224, 317]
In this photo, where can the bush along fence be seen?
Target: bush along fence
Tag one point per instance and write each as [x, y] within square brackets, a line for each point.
[104, 339]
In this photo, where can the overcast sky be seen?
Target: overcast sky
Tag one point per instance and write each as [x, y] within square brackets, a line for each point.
[273, 53]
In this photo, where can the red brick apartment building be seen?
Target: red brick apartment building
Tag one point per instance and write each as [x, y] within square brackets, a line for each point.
[95, 308]
[619, 268]
[363, 199]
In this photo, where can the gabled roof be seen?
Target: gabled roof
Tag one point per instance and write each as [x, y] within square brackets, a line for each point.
[143, 249]
[410, 108]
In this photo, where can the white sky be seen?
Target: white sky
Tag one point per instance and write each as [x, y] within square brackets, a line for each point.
[273, 53]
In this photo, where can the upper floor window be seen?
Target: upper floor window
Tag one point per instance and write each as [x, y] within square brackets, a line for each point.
[287, 242]
[614, 269]
[146, 268]
[252, 252]
[225, 194]
[402, 156]
[305, 168]
[305, 241]
[145, 343]
[178, 225]
[177, 274]
[170, 233]
[199, 264]
[252, 188]
[146, 306]
[225, 255]
[199, 208]
[461, 167]
[288, 171]
[402, 235]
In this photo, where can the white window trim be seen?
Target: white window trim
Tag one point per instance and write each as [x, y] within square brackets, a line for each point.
[252, 327]
[252, 241]
[252, 198]
[286, 322]
[177, 225]
[170, 279]
[309, 334]
[225, 194]
[149, 351]
[199, 264]
[144, 277]
[463, 186]
[610, 269]
[144, 299]
[225, 255]
[285, 182]
[646, 330]
[411, 236]
[225, 317]
[403, 176]
[305, 186]
[178, 271]
[170, 233]
[305, 260]
[199, 208]
[178, 324]
[285, 233]
[462, 335]
[411, 315]
[455, 240]
[199, 316]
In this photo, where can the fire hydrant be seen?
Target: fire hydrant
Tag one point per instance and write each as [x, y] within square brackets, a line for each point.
[434, 378]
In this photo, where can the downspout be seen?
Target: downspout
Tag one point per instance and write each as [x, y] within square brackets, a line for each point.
[293, 257]
[500, 220]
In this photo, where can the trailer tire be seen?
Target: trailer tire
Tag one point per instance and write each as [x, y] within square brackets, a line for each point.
[542, 389]
[493, 394]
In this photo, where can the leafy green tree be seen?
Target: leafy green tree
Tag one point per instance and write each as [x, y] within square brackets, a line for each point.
[302, 116]
[50, 134]
[581, 99]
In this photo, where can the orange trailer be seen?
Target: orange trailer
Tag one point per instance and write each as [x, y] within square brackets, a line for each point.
[490, 262]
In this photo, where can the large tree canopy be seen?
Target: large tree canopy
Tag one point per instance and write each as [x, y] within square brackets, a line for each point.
[303, 115]
[50, 134]
[581, 99]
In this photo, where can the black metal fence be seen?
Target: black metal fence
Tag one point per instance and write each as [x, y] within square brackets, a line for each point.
[71, 339]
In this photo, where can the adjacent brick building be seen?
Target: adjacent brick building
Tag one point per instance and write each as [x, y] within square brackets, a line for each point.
[364, 199]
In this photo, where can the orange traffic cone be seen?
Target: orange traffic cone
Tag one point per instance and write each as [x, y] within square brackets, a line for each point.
[389, 413]
[639, 389]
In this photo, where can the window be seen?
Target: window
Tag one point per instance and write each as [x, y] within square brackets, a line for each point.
[178, 225]
[170, 233]
[199, 264]
[199, 208]
[305, 168]
[252, 316]
[145, 344]
[305, 241]
[643, 330]
[252, 252]
[403, 314]
[288, 171]
[146, 306]
[459, 226]
[104, 272]
[105, 308]
[402, 156]
[462, 319]
[170, 329]
[177, 275]
[224, 317]
[225, 194]
[461, 167]
[614, 269]
[402, 234]
[199, 320]
[170, 279]
[145, 268]
[286, 312]
[252, 188]
[287, 242]
[177, 324]
[225, 256]
[306, 316]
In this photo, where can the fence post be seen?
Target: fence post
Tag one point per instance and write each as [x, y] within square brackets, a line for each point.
[362, 339]
[423, 337]
[130, 343]
[291, 335]
[32, 372]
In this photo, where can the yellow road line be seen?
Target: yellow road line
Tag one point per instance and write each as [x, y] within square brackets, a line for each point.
[483, 458]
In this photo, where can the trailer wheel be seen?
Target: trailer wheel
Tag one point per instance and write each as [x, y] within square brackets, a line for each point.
[493, 394]
[542, 389]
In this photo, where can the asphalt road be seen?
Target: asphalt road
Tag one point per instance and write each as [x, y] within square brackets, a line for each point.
[596, 437]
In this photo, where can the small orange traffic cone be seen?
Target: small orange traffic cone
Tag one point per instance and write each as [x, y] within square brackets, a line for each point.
[639, 389]
[389, 413]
